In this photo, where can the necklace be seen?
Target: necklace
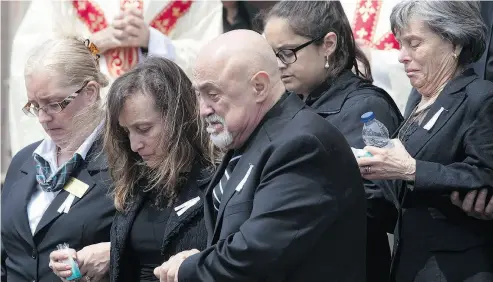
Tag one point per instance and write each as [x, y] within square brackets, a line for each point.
[418, 114]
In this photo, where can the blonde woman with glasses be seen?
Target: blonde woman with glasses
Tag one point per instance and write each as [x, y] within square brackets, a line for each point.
[55, 189]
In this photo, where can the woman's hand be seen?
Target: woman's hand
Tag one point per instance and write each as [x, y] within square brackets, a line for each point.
[93, 262]
[57, 264]
[392, 163]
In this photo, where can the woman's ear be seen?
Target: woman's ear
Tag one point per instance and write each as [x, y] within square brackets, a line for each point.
[92, 91]
[330, 43]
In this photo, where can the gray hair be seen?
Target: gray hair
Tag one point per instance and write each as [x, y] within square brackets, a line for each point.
[458, 22]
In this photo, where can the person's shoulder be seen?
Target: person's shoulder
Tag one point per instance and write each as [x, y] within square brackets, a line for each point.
[17, 162]
[307, 124]
[479, 93]
[25, 152]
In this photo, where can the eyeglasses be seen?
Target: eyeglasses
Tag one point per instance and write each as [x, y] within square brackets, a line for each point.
[288, 56]
[52, 108]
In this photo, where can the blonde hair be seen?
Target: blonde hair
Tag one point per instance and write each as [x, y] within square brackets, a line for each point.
[69, 59]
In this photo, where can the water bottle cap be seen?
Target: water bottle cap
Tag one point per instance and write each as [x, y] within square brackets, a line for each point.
[366, 117]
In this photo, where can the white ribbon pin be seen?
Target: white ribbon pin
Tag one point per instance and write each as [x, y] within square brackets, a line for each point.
[65, 206]
[242, 182]
[429, 125]
[181, 209]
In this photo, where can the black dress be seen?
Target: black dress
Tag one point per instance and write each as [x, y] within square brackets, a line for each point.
[146, 238]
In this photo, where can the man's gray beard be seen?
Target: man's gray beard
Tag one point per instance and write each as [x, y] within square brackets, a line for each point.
[222, 140]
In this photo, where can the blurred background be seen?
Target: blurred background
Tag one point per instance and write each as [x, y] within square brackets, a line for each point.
[12, 13]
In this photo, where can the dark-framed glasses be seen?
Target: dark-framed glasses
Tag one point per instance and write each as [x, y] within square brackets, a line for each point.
[288, 56]
[51, 108]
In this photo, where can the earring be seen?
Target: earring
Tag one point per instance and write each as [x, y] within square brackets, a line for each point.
[455, 56]
[326, 62]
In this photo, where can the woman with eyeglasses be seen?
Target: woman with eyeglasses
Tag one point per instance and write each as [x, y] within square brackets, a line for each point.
[56, 189]
[320, 61]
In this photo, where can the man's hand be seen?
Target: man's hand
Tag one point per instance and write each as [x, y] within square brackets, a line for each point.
[130, 28]
[106, 39]
[474, 206]
[168, 271]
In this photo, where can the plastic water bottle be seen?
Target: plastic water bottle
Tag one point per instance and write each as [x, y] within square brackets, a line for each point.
[374, 132]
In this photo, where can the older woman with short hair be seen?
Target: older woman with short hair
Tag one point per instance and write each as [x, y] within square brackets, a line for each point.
[444, 145]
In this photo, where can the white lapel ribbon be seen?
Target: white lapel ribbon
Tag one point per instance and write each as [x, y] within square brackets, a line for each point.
[429, 125]
[181, 209]
[65, 206]
[242, 182]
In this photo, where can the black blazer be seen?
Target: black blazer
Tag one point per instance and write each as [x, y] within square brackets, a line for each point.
[25, 257]
[293, 209]
[456, 154]
[484, 66]
[183, 232]
[342, 101]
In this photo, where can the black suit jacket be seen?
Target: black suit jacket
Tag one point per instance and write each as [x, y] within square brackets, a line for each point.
[183, 232]
[456, 154]
[484, 66]
[342, 101]
[293, 209]
[25, 257]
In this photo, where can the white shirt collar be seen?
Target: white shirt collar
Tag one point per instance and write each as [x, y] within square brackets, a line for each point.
[47, 149]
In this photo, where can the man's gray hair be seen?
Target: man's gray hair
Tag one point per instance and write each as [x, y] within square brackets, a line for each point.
[459, 22]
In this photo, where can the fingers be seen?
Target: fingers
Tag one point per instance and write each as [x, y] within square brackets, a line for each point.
[161, 272]
[60, 269]
[489, 209]
[375, 150]
[455, 199]
[367, 161]
[120, 35]
[157, 272]
[58, 255]
[64, 274]
[480, 201]
[135, 21]
[468, 202]
[118, 24]
[132, 31]
[59, 266]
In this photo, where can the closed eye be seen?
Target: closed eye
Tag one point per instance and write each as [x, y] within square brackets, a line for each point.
[415, 44]
[143, 129]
